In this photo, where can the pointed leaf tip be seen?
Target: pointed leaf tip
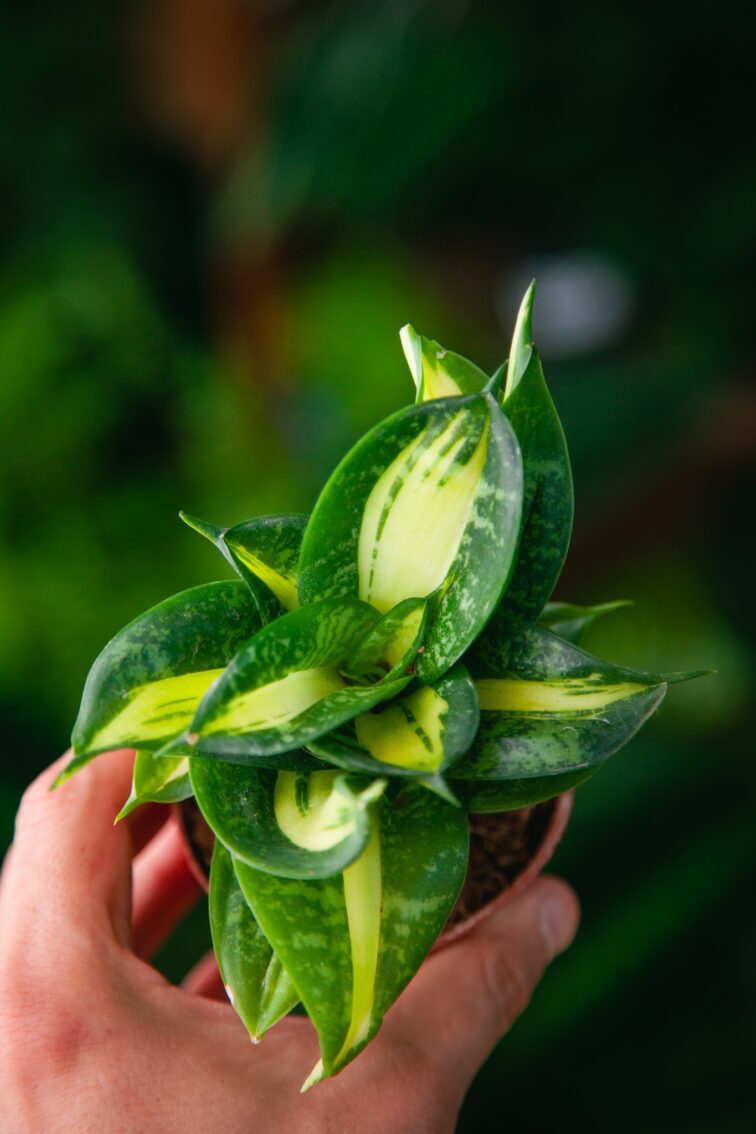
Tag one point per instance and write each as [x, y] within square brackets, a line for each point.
[436, 371]
[412, 347]
[571, 621]
[209, 531]
[312, 1080]
[130, 805]
[686, 675]
[522, 341]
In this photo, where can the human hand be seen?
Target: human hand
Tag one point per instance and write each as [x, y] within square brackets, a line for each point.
[93, 1039]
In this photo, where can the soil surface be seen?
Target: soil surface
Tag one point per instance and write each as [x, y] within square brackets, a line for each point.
[501, 846]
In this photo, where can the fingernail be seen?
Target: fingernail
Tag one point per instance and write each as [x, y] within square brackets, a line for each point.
[556, 925]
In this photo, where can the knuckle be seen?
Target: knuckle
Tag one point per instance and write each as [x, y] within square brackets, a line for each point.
[504, 981]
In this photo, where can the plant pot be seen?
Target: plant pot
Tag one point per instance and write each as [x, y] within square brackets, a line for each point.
[508, 850]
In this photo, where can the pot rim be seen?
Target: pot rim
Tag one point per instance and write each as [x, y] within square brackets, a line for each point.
[552, 837]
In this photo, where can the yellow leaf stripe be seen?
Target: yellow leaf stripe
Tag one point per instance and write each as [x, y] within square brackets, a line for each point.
[416, 515]
[318, 821]
[156, 711]
[274, 704]
[429, 374]
[363, 894]
[285, 589]
[408, 733]
[571, 694]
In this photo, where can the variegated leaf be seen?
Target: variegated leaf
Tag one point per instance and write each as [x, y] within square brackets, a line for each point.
[145, 686]
[352, 942]
[256, 982]
[286, 686]
[428, 503]
[264, 553]
[157, 779]
[388, 649]
[548, 496]
[437, 372]
[291, 824]
[420, 733]
[525, 741]
[571, 621]
[548, 707]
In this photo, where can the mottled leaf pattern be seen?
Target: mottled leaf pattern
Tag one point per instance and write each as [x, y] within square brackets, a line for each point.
[419, 733]
[352, 942]
[388, 648]
[529, 652]
[286, 686]
[426, 504]
[514, 744]
[256, 982]
[292, 824]
[549, 707]
[146, 684]
[264, 553]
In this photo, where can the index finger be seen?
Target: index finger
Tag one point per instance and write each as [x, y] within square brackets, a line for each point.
[68, 859]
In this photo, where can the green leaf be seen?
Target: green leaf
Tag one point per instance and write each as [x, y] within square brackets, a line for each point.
[428, 503]
[483, 796]
[571, 621]
[285, 687]
[420, 733]
[351, 943]
[264, 553]
[388, 648]
[256, 982]
[157, 779]
[548, 495]
[512, 745]
[437, 372]
[291, 824]
[535, 738]
[145, 686]
[548, 707]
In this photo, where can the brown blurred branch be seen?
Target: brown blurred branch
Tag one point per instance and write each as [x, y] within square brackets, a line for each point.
[204, 87]
[668, 503]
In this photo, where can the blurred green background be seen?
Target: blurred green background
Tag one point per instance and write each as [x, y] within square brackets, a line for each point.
[214, 217]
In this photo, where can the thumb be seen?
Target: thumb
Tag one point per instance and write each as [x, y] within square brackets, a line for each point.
[466, 996]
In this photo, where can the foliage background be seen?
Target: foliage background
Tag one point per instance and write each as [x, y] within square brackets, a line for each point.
[214, 217]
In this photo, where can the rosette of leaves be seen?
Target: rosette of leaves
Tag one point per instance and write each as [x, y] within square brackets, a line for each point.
[373, 673]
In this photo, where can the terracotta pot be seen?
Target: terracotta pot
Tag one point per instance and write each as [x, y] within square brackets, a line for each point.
[507, 852]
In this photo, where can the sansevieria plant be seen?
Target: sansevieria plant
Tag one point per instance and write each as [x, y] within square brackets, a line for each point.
[376, 671]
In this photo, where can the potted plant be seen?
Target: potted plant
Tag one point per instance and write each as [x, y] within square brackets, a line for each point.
[378, 672]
